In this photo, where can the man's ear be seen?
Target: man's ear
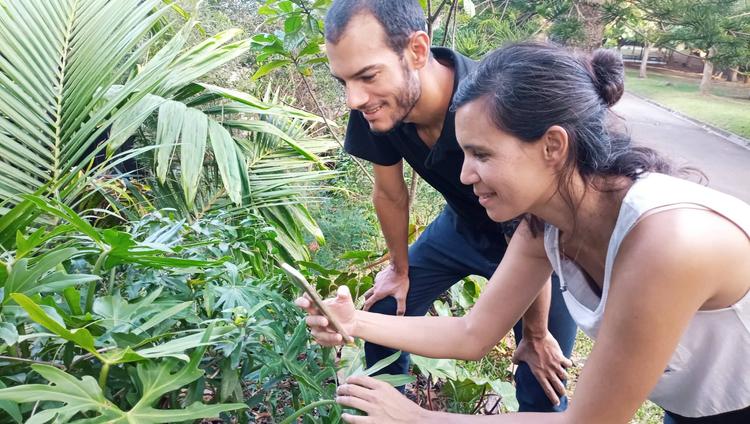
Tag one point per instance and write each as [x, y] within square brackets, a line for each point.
[418, 49]
[555, 143]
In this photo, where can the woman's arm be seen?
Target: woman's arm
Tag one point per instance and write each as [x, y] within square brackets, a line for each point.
[514, 285]
[663, 274]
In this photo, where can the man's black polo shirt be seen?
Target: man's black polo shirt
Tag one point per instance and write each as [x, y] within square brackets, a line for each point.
[440, 166]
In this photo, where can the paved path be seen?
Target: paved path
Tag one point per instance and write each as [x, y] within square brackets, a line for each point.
[726, 164]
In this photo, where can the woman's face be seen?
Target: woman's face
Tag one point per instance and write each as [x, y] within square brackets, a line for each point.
[510, 177]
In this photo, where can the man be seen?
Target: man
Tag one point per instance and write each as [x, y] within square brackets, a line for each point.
[400, 93]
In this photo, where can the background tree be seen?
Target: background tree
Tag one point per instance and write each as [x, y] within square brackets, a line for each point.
[719, 29]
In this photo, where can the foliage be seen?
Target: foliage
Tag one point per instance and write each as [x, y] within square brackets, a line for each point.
[718, 28]
[61, 131]
[299, 43]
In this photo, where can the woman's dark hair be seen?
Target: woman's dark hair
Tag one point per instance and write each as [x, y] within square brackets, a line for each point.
[529, 87]
[400, 19]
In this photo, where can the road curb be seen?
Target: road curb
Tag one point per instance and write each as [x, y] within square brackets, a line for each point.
[726, 135]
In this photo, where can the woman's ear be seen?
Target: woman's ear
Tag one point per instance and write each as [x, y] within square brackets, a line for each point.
[419, 49]
[555, 144]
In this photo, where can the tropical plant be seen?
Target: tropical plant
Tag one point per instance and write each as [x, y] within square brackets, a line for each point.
[60, 131]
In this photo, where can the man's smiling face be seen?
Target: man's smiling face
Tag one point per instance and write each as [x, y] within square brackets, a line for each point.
[379, 82]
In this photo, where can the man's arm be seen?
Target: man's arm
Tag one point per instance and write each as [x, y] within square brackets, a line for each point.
[391, 200]
[540, 350]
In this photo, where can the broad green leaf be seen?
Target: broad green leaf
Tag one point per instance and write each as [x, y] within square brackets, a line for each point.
[310, 49]
[395, 380]
[60, 210]
[436, 368]
[8, 333]
[228, 159]
[130, 119]
[382, 363]
[15, 221]
[79, 395]
[85, 395]
[507, 393]
[79, 336]
[36, 278]
[176, 348]
[171, 116]
[162, 316]
[10, 408]
[292, 24]
[193, 149]
[270, 66]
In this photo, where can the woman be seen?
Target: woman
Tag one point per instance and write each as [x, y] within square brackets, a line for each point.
[653, 267]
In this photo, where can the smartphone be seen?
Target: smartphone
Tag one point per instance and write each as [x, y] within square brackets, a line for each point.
[299, 280]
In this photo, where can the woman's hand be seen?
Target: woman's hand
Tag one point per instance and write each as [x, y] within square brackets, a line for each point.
[342, 308]
[382, 403]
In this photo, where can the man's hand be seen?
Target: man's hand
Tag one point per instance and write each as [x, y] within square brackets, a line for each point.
[547, 363]
[382, 403]
[321, 329]
[389, 282]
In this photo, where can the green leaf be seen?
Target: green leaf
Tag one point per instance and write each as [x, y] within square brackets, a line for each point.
[194, 134]
[36, 278]
[316, 60]
[176, 348]
[85, 395]
[270, 66]
[396, 380]
[229, 160]
[507, 393]
[285, 6]
[310, 49]
[436, 368]
[382, 363]
[171, 117]
[79, 395]
[79, 336]
[10, 408]
[8, 333]
[293, 24]
[60, 210]
[162, 316]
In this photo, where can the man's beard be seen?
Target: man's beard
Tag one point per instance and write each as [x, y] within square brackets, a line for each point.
[406, 99]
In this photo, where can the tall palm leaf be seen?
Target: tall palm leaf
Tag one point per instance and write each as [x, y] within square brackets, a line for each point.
[58, 62]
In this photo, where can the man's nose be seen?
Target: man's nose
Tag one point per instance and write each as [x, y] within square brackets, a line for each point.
[356, 97]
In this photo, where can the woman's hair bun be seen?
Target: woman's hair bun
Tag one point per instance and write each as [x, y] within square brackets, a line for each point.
[609, 75]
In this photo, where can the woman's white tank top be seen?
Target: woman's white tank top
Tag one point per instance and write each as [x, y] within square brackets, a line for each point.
[709, 372]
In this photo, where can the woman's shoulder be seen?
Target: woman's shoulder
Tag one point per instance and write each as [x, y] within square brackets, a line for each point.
[686, 246]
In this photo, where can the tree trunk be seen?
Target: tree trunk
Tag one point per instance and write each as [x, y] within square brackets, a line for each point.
[644, 59]
[708, 71]
[732, 77]
[590, 13]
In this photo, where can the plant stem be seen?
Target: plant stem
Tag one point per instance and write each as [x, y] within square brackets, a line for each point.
[23, 350]
[292, 418]
[30, 361]
[91, 292]
[111, 281]
[103, 375]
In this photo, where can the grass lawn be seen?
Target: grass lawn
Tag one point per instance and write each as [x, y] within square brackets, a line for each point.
[728, 106]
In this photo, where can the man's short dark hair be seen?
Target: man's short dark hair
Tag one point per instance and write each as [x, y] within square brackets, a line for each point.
[399, 19]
